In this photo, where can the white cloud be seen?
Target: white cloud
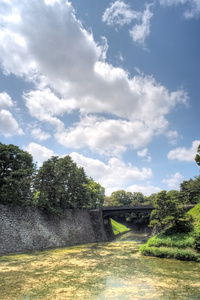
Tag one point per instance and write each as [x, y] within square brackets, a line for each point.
[143, 152]
[114, 175]
[5, 101]
[105, 136]
[40, 135]
[45, 105]
[192, 7]
[140, 32]
[50, 47]
[8, 125]
[146, 190]
[172, 137]
[184, 154]
[39, 153]
[119, 13]
[174, 180]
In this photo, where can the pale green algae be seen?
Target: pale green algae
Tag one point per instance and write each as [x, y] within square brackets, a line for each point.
[113, 270]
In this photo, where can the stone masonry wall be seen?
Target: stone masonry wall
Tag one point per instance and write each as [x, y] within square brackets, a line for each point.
[27, 229]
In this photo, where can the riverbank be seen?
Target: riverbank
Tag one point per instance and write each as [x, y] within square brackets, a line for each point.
[181, 246]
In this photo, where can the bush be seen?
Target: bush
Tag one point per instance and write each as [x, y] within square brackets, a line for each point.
[177, 240]
[177, 253]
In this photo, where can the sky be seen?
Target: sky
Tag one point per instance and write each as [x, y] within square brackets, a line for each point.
[113, 84]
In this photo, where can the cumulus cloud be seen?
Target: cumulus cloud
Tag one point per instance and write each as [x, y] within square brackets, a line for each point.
[174, 180]
[40, 135]
[140, 32]
[105, 136]
[113, 175]
[49, 46]
[8, 125]
[119, 13]
[183, 154]
[5, 101]
[39, 153]
[144, 154]
[192, 7]
[146, 190]
[172, 136]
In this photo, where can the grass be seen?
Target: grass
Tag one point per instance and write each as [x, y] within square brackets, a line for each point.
[118, 228]
[181, 246]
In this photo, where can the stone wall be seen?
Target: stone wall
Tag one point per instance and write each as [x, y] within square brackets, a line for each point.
[27, 229]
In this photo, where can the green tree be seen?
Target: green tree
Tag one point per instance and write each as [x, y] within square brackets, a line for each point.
[16, 170]
[190, 191]
[167, 210]
[121, 198]
[197, 158]
[95, 194]
[60, 184]
[137, 198]
[150, 199]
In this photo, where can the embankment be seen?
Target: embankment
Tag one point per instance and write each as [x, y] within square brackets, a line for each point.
[28, 229]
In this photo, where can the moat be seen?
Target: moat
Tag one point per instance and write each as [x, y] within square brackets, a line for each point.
[111, 270]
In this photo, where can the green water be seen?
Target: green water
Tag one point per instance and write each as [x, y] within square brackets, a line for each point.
[113, 270]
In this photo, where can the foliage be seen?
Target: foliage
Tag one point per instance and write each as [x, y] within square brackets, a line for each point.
[16, 170]
[60, 184]
[177, 253]
[123, 198]
[118, 228]
[95, 194]
[167, 210]
[179, 240]
[197, 158]
[190, 191]
[150, 199]
[195, 213]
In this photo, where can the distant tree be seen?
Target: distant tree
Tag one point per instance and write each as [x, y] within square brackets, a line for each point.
[137, 198]
[121, 198]
[16, 170]
[150, 199]
[60, 184]
[95, 194]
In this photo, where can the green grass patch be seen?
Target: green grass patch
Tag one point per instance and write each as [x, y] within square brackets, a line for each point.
[179, 240]
[118, 228]
[166, 252]
[182, 246]
[195, 213]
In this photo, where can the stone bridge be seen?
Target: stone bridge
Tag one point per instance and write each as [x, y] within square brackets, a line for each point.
[104, 214]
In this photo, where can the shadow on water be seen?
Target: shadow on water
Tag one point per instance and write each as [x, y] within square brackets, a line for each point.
[112, 270]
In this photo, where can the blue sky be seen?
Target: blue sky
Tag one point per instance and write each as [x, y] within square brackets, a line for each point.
[114, 84]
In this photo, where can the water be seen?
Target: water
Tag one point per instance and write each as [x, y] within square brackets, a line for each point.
[113, 270]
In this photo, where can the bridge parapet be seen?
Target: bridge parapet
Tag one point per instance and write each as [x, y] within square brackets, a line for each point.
[116, 210]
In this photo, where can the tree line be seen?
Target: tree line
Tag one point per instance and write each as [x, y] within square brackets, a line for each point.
[57, 185]
[60, 184]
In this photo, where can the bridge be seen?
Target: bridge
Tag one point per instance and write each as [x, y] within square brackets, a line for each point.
[110, 211]
[101, 217]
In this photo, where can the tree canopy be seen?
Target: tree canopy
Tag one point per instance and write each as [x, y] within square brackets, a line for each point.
[16, 170]
[60, 184]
